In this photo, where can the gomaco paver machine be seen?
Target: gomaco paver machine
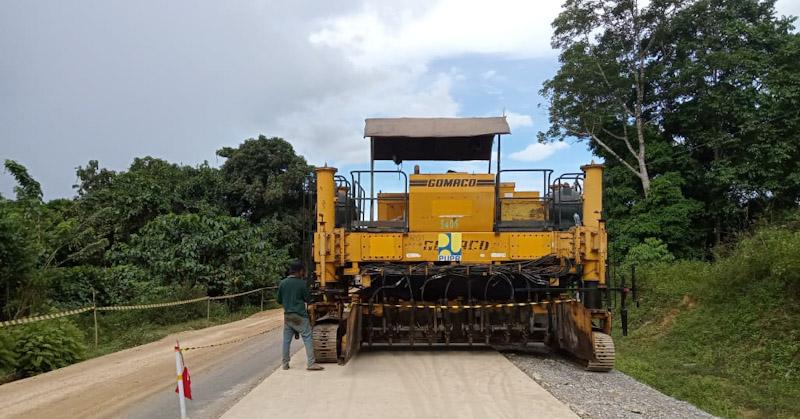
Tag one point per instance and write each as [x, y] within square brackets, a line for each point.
[457, 259]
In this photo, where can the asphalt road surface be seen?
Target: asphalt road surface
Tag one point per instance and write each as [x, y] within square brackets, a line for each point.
[220, 385]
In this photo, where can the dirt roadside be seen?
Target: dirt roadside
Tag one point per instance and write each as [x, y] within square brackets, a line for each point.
[102, 386]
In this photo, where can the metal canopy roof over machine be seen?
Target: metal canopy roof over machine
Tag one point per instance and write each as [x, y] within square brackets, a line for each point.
[400, 139]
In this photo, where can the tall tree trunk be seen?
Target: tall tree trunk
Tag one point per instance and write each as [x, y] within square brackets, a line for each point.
[644, 176]
[640, 157]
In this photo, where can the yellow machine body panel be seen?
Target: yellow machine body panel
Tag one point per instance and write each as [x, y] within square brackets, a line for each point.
[524, 206]
[391, 206]
[450, 219]
[471, 247]
[376, 247]
[451, 202]
[341, 255]
[530, 246]
[466, 247]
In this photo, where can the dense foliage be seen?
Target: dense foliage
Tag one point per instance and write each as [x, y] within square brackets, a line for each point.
[45, 346]
[158, 231]
[694, 106]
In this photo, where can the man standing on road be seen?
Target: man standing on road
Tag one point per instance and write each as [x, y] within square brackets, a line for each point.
[293, 295]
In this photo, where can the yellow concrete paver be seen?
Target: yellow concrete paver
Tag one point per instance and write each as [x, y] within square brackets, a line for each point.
[402, 384]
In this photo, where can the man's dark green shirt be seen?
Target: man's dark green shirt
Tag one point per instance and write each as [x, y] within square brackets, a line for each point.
[293, 295]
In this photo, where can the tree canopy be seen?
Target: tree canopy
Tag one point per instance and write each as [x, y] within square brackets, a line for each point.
[693, 105]
[151, 228]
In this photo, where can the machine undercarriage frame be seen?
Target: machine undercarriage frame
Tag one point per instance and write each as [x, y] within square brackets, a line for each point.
[510, 305]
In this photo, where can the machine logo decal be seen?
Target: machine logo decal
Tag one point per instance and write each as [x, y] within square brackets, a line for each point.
[452, 183]
[449, 246]
[465, 244]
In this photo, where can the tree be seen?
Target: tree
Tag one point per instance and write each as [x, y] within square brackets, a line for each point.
[92, 177]
[603, 91]
[116, 205]
[18, 256]
[264, 183]
[219, 253]
[36, 239]
[263, 176]
[665, 214]
[22, 243]
[703, 91]
[27, 189]
[730, 88]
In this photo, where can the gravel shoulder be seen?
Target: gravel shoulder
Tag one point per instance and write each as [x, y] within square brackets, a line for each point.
[599, 395]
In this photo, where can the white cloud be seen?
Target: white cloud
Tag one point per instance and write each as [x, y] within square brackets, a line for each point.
[516, 120]
[788, 7]
[538, 151]
[331, 129]
[179, 81]
[390, 44]
[418, 32]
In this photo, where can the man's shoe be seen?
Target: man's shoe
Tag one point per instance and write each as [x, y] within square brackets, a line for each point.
[285, 366]
[315, 367]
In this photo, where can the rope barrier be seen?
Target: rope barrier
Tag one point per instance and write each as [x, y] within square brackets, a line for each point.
[227, 342]
[155, 305]
[33, 319]
[223, 297]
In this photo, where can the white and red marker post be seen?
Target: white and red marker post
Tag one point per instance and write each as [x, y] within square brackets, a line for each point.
[179, 373]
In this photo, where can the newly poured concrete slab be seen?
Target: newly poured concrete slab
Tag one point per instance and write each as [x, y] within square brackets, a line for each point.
[402, 384]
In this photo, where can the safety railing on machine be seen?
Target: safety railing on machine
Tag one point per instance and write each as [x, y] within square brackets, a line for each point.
[557, 207]
[376, 213]
[516, 210]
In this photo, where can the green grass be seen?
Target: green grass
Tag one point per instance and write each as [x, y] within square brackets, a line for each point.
[724, 336]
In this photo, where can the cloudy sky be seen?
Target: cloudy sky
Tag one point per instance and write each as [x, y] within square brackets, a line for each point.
[112, 80]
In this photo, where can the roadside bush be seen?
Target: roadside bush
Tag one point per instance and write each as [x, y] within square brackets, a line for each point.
[8, 358]
[72, 286]
[47, 345]
[769, 258]
[650, 252]
[220, 254]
